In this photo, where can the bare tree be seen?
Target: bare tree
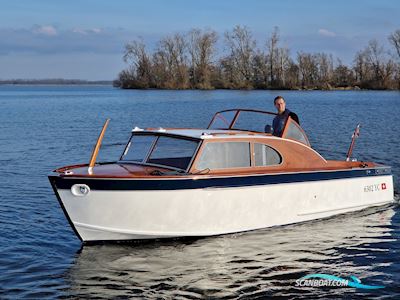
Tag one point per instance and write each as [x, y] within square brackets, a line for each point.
[308, 69]
[360, 67]
[325, 70]
[272, 45]
[161, 70]
[381, 66]
[242, 46]
[182, 61]
[283, 64]
[126, 79]
[390, 75]
[170, 60]
[394, 39]
[292, 75]
[374, 54]
[260, 72]
[278, 61]
[342, 75]
[201, 47]
[140, 63]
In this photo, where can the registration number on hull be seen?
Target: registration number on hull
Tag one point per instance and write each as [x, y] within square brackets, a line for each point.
[374, 187]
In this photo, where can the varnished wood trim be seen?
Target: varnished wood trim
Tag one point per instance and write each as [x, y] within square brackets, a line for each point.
[98, 144]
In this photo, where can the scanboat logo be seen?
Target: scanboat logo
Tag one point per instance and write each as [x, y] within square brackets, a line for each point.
[318, 280]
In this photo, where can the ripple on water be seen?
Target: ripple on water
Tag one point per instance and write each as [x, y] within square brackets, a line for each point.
[254, 264]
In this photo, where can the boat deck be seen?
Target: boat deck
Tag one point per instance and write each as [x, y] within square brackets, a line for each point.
[130, 170]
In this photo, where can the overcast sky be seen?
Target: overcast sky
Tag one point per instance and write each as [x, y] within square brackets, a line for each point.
[85, 39]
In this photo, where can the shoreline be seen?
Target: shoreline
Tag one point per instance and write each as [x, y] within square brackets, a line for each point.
[55, 82]
[218, 89]
[110, 83]
[274, 89]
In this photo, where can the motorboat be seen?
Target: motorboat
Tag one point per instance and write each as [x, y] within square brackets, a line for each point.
[233, 176]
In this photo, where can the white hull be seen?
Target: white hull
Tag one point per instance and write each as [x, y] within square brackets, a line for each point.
[130, 215]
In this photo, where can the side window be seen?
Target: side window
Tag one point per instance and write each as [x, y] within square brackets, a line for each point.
[295, 133]
[266, 156]
[225, 155]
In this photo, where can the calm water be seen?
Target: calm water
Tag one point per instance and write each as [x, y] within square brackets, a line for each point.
[44, 127]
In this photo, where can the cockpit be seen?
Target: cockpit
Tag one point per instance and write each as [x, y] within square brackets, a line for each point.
[256, 121]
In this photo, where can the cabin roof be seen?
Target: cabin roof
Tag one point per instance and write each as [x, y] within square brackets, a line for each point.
[205, 133]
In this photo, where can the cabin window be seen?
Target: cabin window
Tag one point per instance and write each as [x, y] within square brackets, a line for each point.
[266, 156]
[225, 155]
[138, 147]
[173, 152]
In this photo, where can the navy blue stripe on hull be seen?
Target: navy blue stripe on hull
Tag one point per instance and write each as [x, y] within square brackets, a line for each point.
[213, 182]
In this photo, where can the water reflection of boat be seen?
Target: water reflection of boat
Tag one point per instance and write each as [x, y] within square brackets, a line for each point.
[257, 264]
[228, 178]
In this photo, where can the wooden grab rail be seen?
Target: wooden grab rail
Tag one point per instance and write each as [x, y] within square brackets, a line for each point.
[97, 147]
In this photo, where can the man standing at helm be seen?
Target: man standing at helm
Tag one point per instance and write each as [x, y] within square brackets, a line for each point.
[283, 113]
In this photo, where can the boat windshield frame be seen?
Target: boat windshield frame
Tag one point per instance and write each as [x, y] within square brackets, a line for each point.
[236, 116]
[286, 131]
[157, 135]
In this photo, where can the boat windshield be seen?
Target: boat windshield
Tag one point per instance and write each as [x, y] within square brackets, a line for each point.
[293, 131]
[243, 119]
[160, 150]
[258, 121]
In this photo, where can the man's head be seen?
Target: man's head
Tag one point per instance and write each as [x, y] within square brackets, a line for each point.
[280, 104]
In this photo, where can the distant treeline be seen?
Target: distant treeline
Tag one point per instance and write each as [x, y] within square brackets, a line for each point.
[53, 81]
[190, 61]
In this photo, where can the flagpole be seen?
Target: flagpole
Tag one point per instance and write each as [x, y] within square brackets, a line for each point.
[355, 135]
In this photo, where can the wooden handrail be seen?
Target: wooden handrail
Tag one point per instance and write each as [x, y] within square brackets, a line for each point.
[97, 147]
